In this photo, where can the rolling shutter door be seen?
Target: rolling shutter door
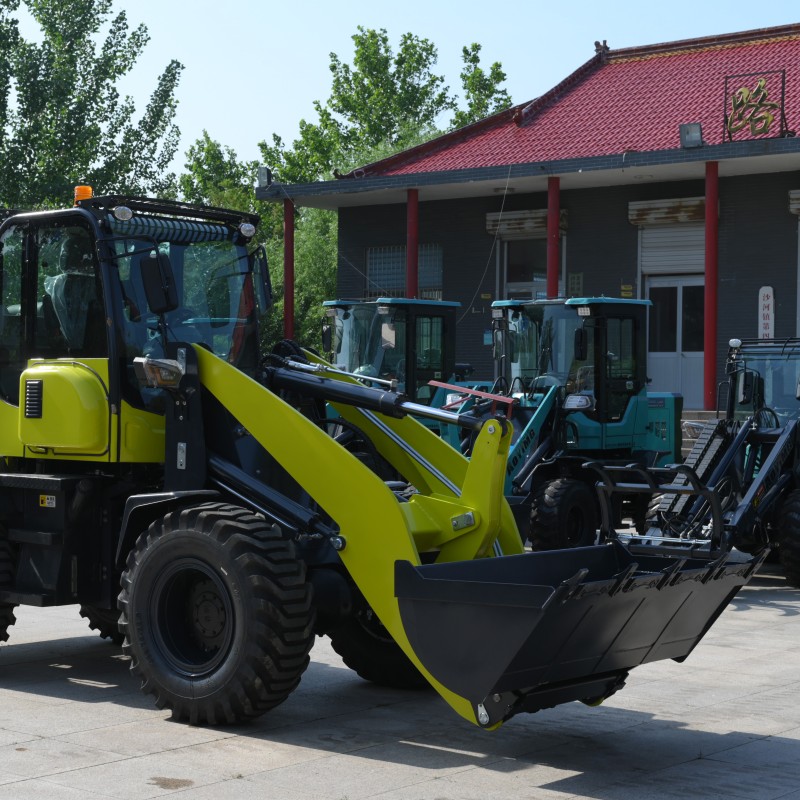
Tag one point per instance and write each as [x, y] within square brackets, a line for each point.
[672, 249]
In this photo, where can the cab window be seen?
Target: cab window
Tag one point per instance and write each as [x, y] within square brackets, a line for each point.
[12, 351]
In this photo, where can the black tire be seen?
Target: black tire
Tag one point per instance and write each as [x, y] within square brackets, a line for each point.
[789, 538]
[7, 618]
[563, 515]
[217, 614]
[369, 650]
[105, 621]
[652, 517]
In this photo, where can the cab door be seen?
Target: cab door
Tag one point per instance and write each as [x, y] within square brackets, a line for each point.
[53, 343]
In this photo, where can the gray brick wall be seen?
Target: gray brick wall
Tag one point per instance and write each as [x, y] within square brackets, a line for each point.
[758, 246]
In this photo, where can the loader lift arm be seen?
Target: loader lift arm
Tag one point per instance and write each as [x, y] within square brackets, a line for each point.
[475, 498]
[494, 636]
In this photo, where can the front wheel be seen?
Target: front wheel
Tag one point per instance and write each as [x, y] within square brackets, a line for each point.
[7, 618]
[789, 538]
[563, 515]
[369, 650]
[216, 613]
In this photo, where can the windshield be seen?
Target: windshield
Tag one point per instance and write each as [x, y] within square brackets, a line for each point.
[772, 375]
[541, 343]
[370, 340]
[215, 289]
[215, 293]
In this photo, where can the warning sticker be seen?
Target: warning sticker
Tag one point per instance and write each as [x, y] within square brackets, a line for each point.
[47, 501]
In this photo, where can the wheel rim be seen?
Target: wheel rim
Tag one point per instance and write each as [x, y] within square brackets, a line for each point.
[192, 616]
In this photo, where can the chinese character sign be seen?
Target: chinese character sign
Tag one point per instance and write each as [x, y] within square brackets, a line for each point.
[755, 105]
[766, 313]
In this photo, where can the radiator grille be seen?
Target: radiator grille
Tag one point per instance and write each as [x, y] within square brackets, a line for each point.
[33, 399]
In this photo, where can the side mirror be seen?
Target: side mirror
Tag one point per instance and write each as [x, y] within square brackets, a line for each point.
[327, 337]
[159, 283]
[261, 279]
[580, 346]
[498, 337]
[388, 336]
[746, 387]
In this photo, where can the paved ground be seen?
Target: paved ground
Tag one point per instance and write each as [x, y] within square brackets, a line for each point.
[725, 724]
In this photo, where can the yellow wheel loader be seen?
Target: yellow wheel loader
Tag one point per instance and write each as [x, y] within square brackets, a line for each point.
[184, 491]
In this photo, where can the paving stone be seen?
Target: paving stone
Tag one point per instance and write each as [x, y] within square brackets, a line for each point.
[724, 724]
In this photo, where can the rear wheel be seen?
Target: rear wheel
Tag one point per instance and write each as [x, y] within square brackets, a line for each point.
[217, 614]
[789, 538]
[563, 515]
[369, 650]
[7, 618]
[105, 621]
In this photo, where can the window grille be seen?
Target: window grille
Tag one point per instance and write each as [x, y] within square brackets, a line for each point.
[386, 271]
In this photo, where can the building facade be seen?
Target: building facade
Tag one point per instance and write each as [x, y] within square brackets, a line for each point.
[669, 172]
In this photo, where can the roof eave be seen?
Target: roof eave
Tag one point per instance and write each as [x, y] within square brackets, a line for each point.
[310, 194]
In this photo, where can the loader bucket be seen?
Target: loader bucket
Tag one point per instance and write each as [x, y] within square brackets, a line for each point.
[526, 632]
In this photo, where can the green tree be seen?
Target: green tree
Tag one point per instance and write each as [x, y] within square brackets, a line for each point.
[482, 90]
[215, 176]
[382, 101]
[9, 37]
[62, 119]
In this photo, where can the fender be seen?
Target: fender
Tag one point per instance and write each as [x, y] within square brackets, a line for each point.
[142, 509]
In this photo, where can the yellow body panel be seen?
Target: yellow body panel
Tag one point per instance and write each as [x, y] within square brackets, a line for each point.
[77, 421]
[377, 529]
[10, 445]
[141, 436]
[75, 418]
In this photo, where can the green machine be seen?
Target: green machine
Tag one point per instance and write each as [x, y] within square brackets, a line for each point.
[397, 342]
[577, 368]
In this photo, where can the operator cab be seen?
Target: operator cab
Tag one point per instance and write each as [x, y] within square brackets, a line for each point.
[593, 349]
[405, 341]
[764, 380]
[74, 315]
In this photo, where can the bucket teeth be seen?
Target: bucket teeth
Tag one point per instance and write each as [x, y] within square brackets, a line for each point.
[532, 631]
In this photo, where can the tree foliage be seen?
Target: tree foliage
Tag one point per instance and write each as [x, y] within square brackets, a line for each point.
[482, 90]
[215, 176]
[384, 102]
[62, 119]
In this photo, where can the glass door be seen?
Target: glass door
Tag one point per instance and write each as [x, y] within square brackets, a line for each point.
[675, 337]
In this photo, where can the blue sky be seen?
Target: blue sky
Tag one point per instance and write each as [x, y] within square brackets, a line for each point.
[255, 67]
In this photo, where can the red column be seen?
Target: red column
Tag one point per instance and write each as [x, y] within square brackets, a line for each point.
[711, 287]
[412, 243]
[288, 269]
[553, 234]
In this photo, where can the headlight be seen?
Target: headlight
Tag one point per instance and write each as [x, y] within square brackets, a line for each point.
[579, 402]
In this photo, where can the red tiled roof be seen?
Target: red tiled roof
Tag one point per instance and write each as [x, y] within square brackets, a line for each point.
[631, 99]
